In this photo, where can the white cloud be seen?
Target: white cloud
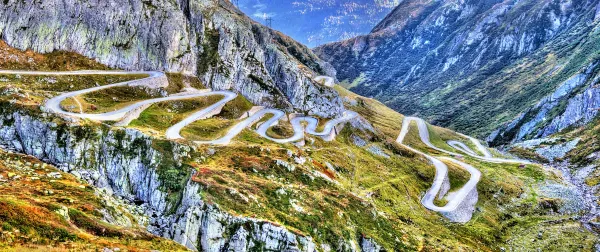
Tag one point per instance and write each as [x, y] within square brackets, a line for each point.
[260, 11]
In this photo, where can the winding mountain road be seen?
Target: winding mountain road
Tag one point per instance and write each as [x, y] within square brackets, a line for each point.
[441, 175]
[300, 125]
[53, 105]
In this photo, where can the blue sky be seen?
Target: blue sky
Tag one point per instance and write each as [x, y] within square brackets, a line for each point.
[315, 22]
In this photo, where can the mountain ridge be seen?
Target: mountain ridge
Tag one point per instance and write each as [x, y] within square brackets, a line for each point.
[210, 39]
[451, 52]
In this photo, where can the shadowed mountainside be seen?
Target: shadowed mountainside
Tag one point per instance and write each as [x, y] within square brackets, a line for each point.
[469, 65]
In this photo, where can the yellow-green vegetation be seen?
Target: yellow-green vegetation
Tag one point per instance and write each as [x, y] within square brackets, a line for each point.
[528, 154]
[348, 85]
[588, 144]
[440, 137]
[178, 81]
[12, 58]
[338, 189]
[33, 90]
[208, 129]
[63, 83]
[235, 108]
[37, 211]
[593, 179]
[373, 196]
[458, 176]
[551, 235]
[388, 121]
[72, 104]
[335, 190]
[263, 119]
[217, 126]
[109, 99]
[160, 116]
[282, 130]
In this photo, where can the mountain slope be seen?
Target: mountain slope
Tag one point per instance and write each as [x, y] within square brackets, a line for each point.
[361, 191]
[42, 206]
[468, 65]
[210, 39]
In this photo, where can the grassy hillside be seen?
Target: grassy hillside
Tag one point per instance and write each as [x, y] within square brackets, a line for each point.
[362, 184]
[365, 184]
[341, 189]
[40, 206]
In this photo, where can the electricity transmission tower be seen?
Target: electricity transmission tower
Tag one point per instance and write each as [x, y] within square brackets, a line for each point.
[269, 22]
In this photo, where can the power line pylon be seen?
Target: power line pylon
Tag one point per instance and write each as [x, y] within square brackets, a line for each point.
[269, 22]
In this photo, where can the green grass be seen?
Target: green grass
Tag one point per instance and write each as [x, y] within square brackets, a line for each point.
[110, 99]
[458, 176]
[280, 131]
[66, 83]
[29, 218]
[372, 196]
[395, 186]
[216, 127]
[208, 129]
[160, 116]
[528, 154]
[362, 173]
[386, 120]
[179, 81]
[413, 139]
[439, 137]
[589, 143]
[236, 108]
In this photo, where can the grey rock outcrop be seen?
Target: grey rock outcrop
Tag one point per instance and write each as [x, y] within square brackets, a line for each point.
[207, 38]
[464, 211]
[125, 163]
[549, 148]
[581, 110]
[368, 245]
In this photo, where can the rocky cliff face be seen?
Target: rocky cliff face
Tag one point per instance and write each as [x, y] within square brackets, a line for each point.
[210, 39]
[575, 102]
[126, 163]
[468, 65]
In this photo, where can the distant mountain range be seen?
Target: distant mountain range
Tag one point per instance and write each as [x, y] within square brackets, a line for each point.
[314, 22]
[473, 65]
